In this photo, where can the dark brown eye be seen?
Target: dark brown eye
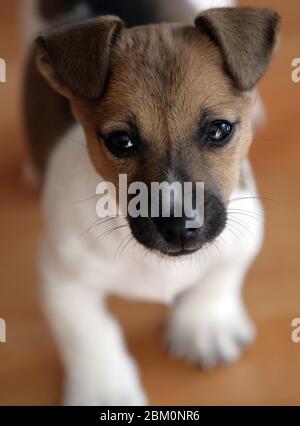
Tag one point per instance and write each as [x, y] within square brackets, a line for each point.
[120, 144]
[218, 132]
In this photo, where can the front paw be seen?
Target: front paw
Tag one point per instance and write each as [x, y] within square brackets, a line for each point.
[109, 385]
[208, 333]
[107, 397]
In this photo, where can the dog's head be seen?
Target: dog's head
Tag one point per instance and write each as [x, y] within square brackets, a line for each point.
[166, 102]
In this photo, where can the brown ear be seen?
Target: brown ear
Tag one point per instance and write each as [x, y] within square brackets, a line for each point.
[246, 37]
[75, 58]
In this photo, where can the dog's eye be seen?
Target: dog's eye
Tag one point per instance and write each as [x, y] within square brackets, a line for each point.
[120, 144]
[218, 132]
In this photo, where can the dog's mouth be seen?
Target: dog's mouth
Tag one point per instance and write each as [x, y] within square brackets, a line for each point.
[181, 252]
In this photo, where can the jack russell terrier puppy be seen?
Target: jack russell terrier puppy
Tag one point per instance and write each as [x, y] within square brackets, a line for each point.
[163, 102]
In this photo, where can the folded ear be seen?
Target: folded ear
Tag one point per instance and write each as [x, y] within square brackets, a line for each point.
[75, 58]
[246, 37]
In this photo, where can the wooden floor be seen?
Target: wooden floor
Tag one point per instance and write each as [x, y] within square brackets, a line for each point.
[269, 373]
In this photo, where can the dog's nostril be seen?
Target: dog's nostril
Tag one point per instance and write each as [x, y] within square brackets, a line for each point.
[168, 233]
[189, 232]
[171, 235]
[174, 230]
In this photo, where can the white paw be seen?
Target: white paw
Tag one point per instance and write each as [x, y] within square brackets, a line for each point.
[208, 333]
[109, 385]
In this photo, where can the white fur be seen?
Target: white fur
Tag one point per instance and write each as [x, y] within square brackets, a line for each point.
[208, 322]
[186, 11]
[207, 4]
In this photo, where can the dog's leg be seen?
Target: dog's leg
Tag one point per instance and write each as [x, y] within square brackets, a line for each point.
[98, 368]
[209, 324]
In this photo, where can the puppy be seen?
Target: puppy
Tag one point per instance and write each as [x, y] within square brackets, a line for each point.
[160, 102]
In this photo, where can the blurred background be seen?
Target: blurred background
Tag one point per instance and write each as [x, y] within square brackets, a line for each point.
[269, 372]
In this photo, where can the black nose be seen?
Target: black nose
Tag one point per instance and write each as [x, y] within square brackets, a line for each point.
[175, 231]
